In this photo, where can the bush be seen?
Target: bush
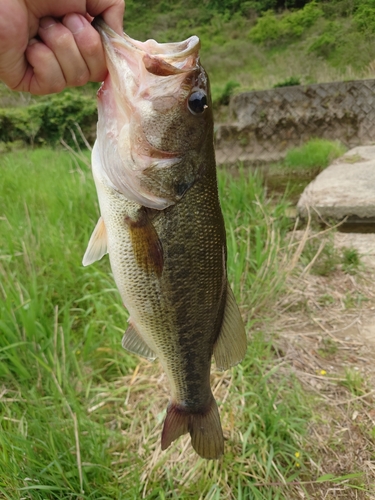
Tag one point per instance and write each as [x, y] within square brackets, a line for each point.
[289, 82]
[224, 97]
[49, 120]
[289, 26]
[364, 18]
[328, 40]
[267, 28]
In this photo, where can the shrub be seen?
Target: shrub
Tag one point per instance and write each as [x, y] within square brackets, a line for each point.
[49, 120]
[364, 18]
[291, 25]
[267, 28]
[224, 97]
[328, 40]
[289, 82]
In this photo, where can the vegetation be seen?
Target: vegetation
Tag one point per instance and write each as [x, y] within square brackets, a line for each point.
[50, 119]
[314, 155]
[79, 416]
[246, 45]
[66, 421]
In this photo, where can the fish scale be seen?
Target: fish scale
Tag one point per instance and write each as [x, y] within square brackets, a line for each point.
[162, 225]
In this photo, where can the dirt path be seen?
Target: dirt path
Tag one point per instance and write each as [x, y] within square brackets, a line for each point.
[326, 329]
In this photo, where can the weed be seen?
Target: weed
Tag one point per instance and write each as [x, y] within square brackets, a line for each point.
[226, 93]
[326, 300]
[354, 382]
[315, 154]
[329, 347]
[351, 260]
[293, 80]
[354, 300]
[321, 257]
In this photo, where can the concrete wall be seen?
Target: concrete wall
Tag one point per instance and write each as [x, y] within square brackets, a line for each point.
[264, 124]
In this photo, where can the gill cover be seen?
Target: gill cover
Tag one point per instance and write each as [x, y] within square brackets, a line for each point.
[141, 104]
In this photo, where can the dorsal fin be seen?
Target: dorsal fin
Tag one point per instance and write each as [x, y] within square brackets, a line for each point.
[97, 246]
[133, 342]
[231, 344]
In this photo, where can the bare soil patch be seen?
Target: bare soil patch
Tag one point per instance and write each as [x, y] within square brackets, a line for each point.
[326, 332]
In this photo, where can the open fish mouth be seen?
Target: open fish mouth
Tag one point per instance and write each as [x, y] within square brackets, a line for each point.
[146, 119]
[161, 59]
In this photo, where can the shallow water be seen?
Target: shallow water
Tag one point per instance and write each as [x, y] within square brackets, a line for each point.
[292, 186]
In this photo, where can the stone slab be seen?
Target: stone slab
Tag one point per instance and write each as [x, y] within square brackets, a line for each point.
[344, 189]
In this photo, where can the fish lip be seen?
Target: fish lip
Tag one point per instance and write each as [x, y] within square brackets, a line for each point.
[169, 52]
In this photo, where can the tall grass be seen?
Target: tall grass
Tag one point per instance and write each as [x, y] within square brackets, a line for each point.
[80, 417]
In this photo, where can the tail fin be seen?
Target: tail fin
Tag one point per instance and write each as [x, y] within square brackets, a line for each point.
[204, 428]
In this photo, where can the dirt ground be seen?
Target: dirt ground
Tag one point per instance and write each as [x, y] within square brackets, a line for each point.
[326, 332]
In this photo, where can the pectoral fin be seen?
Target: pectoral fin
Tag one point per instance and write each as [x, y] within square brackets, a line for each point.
[230, 347]
[147, 247]
[134, 343]
[97, 246]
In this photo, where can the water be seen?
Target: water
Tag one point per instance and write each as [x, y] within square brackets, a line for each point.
[292, 185]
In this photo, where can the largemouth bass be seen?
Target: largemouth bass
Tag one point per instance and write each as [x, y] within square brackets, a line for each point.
[161, 223]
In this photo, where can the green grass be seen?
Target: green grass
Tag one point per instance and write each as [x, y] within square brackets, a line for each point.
[314, 155]
[81, 418]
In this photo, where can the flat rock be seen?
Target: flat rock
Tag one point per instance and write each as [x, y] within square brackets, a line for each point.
[344, 189]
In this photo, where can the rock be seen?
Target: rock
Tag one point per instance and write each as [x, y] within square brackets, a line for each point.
[344, 189]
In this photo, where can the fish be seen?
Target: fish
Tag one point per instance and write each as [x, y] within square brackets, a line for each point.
[161, 223]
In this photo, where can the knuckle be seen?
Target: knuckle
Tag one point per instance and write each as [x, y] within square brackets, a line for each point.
[56, 87]
[79, 79]
[90, 46]
[63, 41]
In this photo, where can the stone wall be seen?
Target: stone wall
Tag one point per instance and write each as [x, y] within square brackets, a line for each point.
[264, 124]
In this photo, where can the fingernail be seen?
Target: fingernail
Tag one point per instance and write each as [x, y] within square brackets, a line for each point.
[74, 23]
[47, 22]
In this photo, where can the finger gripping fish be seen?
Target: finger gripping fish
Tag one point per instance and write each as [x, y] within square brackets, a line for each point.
[154, 169]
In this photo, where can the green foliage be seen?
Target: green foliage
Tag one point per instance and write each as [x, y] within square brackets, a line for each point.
[223, 98]
[293, 80]
[364, 17]
[330, 38]
[354, 382]
[326, 258]
[291, 25]
[329, 347]
[321, 256]
[244, 7]
[351, 260]
[50, 119]
[315, 154]
[267, 29]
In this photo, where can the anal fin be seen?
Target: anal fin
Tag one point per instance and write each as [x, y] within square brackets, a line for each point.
[97, 246]
[204, 427]
[231, 344]
[133, 342]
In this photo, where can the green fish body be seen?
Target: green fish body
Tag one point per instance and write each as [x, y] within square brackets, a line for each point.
[162, 225]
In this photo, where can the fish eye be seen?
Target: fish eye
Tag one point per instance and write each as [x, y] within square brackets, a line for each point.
[197, 102]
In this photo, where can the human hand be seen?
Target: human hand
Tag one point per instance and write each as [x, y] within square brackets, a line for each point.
[68, 51]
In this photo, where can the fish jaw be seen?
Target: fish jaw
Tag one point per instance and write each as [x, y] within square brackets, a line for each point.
[142, 108]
